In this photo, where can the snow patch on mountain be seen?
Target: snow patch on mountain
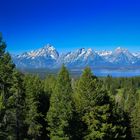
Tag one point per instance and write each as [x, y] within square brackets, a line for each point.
[46, 51]
[104, 53]
[48, 57]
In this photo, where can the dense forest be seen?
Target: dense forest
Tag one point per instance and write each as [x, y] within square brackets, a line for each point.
[63, 108]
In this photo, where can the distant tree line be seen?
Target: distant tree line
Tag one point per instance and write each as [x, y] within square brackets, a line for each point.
[62, 108]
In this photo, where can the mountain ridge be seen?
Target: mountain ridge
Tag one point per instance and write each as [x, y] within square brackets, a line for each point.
[49, 57]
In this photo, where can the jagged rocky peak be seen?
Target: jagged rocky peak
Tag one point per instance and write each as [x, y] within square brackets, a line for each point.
[49, 57]
[136, 54]
[47, 51]
[89, 50]
[81, 51]
[49, 47]
[121, 50]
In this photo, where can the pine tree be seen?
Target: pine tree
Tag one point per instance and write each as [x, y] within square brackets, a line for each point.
[49, 84]
[6, 75]
[60, 111]
[133, 108]
[33, 90]
[96, 109]
[16, 108]
[136, 122]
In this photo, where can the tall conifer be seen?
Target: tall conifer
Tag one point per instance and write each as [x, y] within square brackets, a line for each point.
[60, 111]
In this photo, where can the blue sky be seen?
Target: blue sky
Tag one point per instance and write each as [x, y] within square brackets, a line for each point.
[70, 24]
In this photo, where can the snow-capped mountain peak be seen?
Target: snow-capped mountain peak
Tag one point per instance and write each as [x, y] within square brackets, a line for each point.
[89, 50]
[40, 58]
[48, 57]
[89, 53]
[46, 51]
[80, 51]
[137, 54]
[121, 50]
[122, 56]
[49, 47]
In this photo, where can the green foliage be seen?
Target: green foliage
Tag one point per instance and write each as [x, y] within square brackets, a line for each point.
[96, 109]
[136, 122]
[58, 108]
[60, 111]
[16, 108]
[49, 84]
[33, 88]
[6, 83]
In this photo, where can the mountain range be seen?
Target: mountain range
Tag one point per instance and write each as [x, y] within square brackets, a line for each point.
[49, 57]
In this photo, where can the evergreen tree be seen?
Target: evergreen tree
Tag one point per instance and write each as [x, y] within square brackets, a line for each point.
[33, 90]
[6, 75]
[16, 108]
[35, 109]
[95, 106]
[136, 122]
[60, 111]
[49, 84]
